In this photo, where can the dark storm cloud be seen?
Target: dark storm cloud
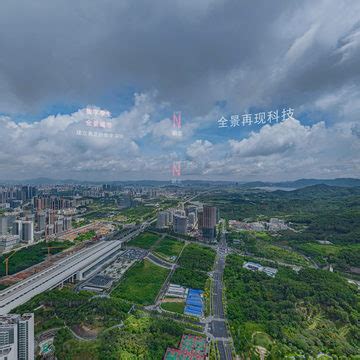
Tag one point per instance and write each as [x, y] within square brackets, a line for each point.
[68, 50]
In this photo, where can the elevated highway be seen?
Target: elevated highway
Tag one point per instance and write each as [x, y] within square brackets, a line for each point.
[74, 267]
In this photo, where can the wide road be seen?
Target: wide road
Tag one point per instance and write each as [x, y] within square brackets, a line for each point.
[218, 324]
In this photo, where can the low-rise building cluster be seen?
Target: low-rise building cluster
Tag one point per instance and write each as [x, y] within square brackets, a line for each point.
[258, 267]
[273, 225]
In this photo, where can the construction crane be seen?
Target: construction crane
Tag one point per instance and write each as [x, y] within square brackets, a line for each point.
[6, 261]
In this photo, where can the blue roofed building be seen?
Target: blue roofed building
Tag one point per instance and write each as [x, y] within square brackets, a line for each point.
[194, 303]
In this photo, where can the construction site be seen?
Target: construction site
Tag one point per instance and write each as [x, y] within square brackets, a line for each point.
[54, 253]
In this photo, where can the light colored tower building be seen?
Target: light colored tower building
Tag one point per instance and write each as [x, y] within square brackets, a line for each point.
[41, 221]
[180, 224]
[161, 220]
[17, 228]
[27, 234]
[200, 217]
[59, 226]
[17, 337]
[191, 209]
[192, 219]
[67, 223]
[209, 222]
[50, 229]
[170, 216]
[3, 225]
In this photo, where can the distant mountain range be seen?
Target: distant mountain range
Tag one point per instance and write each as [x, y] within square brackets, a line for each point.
[296, 184]
[320, 190]
[301, 183]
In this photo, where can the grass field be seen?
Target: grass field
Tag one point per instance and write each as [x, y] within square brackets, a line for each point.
[138, 213]
[176, 307]
[141, 283]
[317, 249]
[279, 254]
[261, 339]
[168, 247]
[197, 257]
[195, 261]
[190, 278]
[145, 240]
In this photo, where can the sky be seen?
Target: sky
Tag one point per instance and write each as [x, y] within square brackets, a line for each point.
[88, 89]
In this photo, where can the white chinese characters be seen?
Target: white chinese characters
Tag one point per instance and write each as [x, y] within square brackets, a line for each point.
[98, 134]
[99, 124]
[261, 118]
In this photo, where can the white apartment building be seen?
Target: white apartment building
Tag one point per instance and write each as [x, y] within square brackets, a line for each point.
[17, 337]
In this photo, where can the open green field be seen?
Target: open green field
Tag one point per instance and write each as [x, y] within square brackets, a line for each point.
[195, 261]
[197, 257]
[139, 213]
[343, 257]
[322, 249]
[168, 247]
[31, 255]
[145, 240]
[176, 307]
[190, 278]
[141, 283]
[277, 253]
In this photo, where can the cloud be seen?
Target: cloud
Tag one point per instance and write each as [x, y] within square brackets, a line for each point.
[283, 138]
[199, 149]
[192, 53]
[181, 55]
[289, 150]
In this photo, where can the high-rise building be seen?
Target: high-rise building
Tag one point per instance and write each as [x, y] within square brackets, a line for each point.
[50, 229]
[192, 219]
[161, 220]
[200, 217]
[180, 224]
[3, 225]
[209, 222]
[27, 234]
[67, 223]
[17, 337]
[27, 192]
[17, 228]
[40, 221]
[191, 209]
[59, 226]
